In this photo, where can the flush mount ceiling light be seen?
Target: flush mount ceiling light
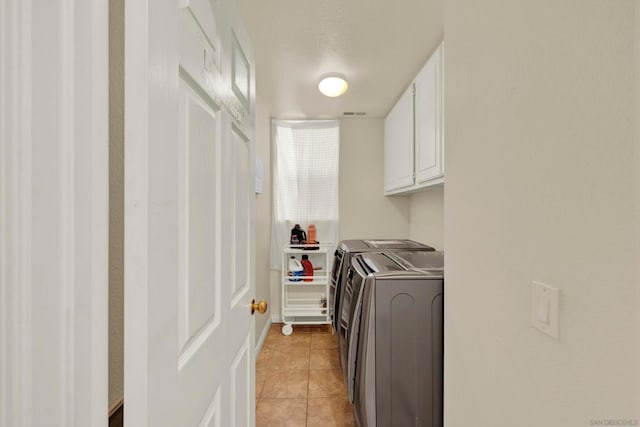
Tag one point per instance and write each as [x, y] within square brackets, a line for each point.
[333, 86]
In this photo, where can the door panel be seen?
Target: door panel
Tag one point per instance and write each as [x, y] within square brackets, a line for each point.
[240, 342]
[240, 374]
[241, 185]
[240, 72]
[199, 295]
[200, 322]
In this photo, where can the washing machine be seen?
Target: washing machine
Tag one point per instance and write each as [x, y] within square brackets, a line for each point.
[393, 365]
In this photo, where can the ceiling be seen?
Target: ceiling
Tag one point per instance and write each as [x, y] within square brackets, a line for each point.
[378, 45]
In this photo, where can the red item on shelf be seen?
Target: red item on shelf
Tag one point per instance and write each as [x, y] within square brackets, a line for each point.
[308, 269]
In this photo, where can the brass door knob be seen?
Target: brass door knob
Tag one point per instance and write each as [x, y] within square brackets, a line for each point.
[260, 307]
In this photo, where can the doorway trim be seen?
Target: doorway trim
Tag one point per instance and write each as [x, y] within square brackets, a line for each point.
[53, 212]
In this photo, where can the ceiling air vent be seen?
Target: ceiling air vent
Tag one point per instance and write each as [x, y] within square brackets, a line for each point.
[354, 113]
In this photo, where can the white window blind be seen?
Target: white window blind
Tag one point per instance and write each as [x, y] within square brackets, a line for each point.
[305, 176]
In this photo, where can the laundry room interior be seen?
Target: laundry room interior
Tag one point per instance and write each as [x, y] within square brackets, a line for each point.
[240, 213]
[499, 137]
[526, 110]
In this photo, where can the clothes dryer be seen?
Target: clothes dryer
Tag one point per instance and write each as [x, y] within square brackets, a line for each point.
[342, 261]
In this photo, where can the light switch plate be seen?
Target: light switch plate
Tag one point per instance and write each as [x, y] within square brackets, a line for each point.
[545, 309]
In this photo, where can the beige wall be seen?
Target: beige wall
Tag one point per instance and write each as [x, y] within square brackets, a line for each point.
[364, 211]
[262, 208]
[540, 186]
[116, 200]
[637, 197]
[427, 217]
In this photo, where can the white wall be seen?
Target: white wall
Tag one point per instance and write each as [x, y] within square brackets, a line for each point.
[364, 211]
[540, 186]
[262, 208]
[427, 216]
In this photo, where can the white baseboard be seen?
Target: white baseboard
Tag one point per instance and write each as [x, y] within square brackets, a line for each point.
[263, 336]
[276, 318]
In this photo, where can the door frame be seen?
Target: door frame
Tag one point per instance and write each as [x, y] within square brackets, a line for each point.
[151, 94]
[53, 212]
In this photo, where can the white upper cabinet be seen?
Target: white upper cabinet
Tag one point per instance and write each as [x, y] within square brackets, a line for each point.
[398, 144]
[414, 135]
[428, 120]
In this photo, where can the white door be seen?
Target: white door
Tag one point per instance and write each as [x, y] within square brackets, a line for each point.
[189, 336]
[53, 212]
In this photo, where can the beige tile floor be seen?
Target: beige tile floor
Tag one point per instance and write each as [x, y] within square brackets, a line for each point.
[299, 381]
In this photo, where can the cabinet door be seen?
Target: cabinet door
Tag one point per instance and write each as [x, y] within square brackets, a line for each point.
[398, 144]
[428, 120]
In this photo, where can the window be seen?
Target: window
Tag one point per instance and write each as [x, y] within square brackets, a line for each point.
[305, 180]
